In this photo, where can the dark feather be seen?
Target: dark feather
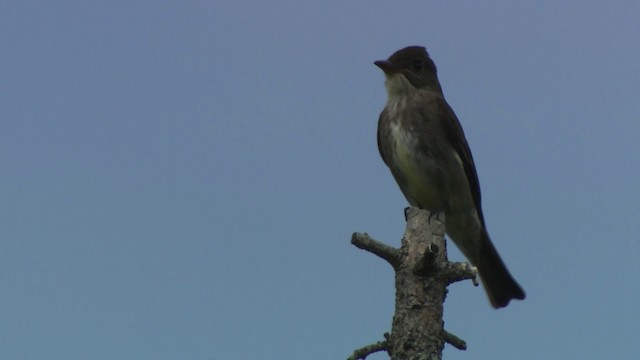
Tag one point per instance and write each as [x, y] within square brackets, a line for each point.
[455, 134]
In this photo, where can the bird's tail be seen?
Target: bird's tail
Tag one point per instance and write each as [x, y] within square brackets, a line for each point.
[501, 287]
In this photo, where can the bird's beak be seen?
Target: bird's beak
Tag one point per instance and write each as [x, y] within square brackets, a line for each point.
[387, 67]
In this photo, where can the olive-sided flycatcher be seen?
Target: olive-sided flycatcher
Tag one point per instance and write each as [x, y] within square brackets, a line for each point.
[421, 141]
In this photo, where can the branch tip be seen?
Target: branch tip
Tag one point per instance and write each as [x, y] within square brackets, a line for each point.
[460, 271]
[363, 352]
[454, 341]
[365, 242]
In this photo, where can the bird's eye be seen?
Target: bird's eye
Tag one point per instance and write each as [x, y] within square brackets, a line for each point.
[417, 65]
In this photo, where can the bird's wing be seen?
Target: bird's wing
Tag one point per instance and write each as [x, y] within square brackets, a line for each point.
[384, 137]
[455, 134]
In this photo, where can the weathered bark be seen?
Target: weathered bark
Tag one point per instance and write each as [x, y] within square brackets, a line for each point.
[417, 329]
[422, 275]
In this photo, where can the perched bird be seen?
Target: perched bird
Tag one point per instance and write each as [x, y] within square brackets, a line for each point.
[421, 141]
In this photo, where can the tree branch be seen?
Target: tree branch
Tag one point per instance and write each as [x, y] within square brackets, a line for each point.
[422, 276]
[454, 341]
[460, 271]
[363, 352]
[384, 251]
[417, 327]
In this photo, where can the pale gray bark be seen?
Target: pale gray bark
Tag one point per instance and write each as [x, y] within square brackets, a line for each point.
[422, 275]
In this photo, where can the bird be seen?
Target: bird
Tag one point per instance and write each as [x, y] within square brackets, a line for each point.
[422, 142]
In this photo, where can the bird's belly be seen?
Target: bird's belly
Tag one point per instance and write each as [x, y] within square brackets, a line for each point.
[416, 172]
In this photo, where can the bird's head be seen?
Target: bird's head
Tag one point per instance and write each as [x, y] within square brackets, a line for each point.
[409, 69]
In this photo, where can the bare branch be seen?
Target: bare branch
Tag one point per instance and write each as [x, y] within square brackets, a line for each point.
[365, 242]
[362, 353]
[454, 341]
[422, 275]
[460, 271]
[416, 329]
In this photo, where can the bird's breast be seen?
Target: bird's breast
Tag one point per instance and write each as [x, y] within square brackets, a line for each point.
[414, 168]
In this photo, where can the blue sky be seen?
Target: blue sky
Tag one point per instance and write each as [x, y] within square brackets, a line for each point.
[180, 179]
